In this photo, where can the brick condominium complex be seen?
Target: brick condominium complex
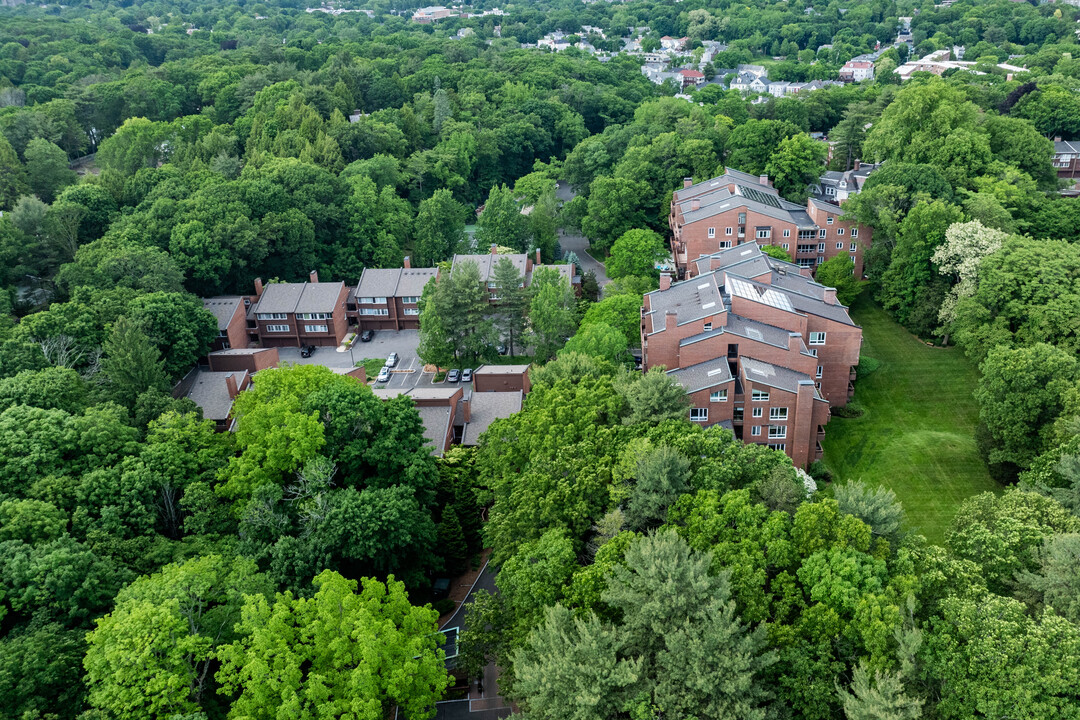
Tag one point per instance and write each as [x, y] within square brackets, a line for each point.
[732, 209]
[760, 347]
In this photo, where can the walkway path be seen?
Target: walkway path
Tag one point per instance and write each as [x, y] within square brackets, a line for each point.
[579, 245]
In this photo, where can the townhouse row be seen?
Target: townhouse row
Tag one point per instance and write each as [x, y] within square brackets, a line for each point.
[323, 313]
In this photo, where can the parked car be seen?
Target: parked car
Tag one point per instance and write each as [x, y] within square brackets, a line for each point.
[307, 350]
[367, 335]
[384, 374]
[466, 375]
[501, 349]
[392, 360]
[453, 376]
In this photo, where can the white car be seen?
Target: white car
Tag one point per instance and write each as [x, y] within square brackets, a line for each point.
[392, 361]
[384, 374]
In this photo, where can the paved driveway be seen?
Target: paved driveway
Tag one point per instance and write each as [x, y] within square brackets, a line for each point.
[570, 241]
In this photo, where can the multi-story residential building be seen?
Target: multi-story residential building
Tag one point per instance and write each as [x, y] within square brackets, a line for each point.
[231, 314]
[296, 314]
[526, 265]
[737, 207]
[856, 71]
[388, 299]
[1066, 158]
[759, 346]
[835, 186]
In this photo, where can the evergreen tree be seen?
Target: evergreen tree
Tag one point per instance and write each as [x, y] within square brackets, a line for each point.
[132, 363]
[513, 301]
[451, 542]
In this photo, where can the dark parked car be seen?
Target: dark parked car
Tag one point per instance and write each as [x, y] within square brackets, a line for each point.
[453, 376]
[367, 335]
[307, 350]
[466, 375]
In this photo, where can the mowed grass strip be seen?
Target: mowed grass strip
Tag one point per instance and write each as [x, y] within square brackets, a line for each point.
[917, 435]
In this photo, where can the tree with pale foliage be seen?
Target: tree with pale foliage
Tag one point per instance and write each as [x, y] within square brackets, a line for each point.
[966, 244]
[339, 654]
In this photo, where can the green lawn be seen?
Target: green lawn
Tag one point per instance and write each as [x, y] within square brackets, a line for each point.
[917, 434]
[372, 366]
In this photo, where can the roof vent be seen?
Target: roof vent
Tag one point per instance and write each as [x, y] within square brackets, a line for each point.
[717, 371]
[706, 306]
[702, 286]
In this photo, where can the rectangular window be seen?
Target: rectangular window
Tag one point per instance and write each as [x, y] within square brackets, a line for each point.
[854, 232]
[707, 327]
[755, 412]
[273, 316]
[830, 190]
[759, 396]
[778, 431]
[787, 233]
[829, 220]
[316, 328]
[277, 328]
[712, 232]
[778, 413]
[755, 430]
[222, 333]
[786, 247]
[374, 311]
[410, 299]
[727, 231]
[737, 415]
[763, 234]
[822, 232]
[412, 311]
[718, 395]
[316, 316]
[821, 247]
[493, 296]
[365, 300]
[778, 446]
[839, 246]
[819, 371]
[725, 244]
[699, 414]
[492, 285]
[817, 338]
[821, 259]
[840, 231]
[813, 351]
[854, 247]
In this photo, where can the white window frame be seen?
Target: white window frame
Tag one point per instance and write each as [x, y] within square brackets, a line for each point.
[756, 412]
[828, 220]
[777, 432]
[316, 316]
[273, 316]
[820, 370]
[778, 413]
[755, 430]
[410, 299]
[725, 244]
[712, 232]
[699, 414]
[817, 338]
[718, 395]
[854, 232]
[854, 247]
[763, 234]
[412, 311]
[839, 231]
[316, 328]
[786, 246]
[787, 232]
[782, 447]
[277, 328]
[840, 246]
[821, 247]
[727, 231]
[374, 311]
[822, 232]
[707, 327]
[759, 396]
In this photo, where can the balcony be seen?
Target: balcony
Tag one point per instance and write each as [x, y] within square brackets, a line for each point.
[820, 434]
[818, 451]
[851, 375]
[850, 390]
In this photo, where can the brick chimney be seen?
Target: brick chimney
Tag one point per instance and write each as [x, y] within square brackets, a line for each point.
[258, 287]
[695, 204]
[665, 280]
[764, 180]
[493, 246]
[313, 276]
[467, 407]
[538, 257]
[794, 341]
[687, 182]
[830, 296]
[858, 164]
[407, 262]
[1057, 138]
[230, 384]
[670, 319]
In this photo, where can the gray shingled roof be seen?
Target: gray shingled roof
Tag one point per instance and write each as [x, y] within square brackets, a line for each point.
[487, 407]
[703, 375]
[436, 422]
[210, 393]
[223, 308]
[756, 197]
[378, 282]
[319, 297]
[413, 281]
[486, 263]
[1064, 147]
[781, 378]
[280, 298]
[690, 299]
[745, 328]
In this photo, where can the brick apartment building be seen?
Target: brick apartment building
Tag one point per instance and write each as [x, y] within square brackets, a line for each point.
[231, 314]
[736, 207]
[1067, 158]
[759, 346]
[295, 314]
[525, 264]
[388, 299]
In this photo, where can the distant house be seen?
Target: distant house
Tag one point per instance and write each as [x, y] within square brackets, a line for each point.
[214, 393]
[743, 81]
[428, 15]
[1066, 158]
[526, 265]
[856, 71]
[673, 44]
[689, 78]
[836, 187]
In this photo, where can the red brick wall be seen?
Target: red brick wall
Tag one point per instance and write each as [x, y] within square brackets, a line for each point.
[253, 362]
[718, 411]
